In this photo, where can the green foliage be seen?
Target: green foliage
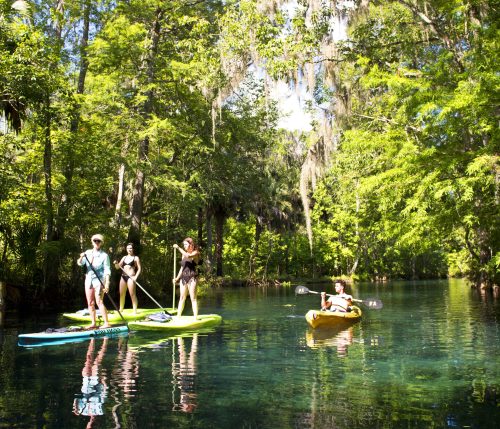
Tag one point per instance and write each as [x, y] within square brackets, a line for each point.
[421, 152]
[411, 191]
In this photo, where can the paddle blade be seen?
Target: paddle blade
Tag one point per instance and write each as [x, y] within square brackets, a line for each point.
[374, 304]
[301, 290]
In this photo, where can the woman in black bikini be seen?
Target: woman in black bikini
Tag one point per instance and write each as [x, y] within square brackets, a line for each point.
[187, 275]
[130, 265]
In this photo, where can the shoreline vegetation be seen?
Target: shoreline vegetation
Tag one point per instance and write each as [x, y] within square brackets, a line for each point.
[12, 298]
[150, 124]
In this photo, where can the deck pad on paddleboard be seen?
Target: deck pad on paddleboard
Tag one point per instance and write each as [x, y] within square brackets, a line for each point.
[178, 323]
[113, 316]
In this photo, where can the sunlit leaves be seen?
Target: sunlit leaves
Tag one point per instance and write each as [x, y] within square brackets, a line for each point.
[433, 183]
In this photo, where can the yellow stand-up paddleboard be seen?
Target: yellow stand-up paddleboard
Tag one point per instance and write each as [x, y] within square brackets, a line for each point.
[178, 323]
[114, 316]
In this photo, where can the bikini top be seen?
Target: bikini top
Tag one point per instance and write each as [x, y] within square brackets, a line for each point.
[131, 263]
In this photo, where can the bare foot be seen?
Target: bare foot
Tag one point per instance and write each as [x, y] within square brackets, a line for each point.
[106, 325]
[91, 327]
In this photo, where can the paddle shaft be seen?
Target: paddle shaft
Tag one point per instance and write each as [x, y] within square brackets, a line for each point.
[102, 284]
[145, 291]
[332, 294]
[371, 303]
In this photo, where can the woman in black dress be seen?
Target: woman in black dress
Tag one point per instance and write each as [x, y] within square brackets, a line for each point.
[187, 275]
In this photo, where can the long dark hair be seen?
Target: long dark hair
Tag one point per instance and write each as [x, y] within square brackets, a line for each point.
[192, 246]
[131, 245]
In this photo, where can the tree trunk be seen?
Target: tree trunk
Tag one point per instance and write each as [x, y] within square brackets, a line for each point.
[255, 252]
[119, 196]
[59, 10]
[50, 267]
[220, 217]
[2, 301]
[200, 227]
[209, 256]
[68, 172]
[84, 62]
[137, 204]
[147, 64]
[47, 173]
[354, 266]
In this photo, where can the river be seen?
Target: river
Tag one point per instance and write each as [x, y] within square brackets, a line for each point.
[430, 358]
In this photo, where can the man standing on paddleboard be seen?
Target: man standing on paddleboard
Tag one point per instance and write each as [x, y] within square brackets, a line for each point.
[98, 268]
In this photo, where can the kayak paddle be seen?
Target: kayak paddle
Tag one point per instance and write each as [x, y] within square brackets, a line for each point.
[372, 303]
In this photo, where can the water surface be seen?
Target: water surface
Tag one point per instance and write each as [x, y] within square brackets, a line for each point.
[429, 359]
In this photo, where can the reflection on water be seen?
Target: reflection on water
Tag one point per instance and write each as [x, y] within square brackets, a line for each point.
[98, 386]
[94, 390]
[184, 395]
[340, 337]
[127, 369]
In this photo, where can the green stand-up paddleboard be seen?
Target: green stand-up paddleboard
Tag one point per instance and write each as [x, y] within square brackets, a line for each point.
[176, 324]
[114, 316]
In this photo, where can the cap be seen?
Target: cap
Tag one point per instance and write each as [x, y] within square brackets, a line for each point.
[97, 237]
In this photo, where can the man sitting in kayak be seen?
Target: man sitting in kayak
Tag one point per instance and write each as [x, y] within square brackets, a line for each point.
[340, 302]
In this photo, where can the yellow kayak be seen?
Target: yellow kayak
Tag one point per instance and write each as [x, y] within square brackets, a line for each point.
[178, 323]
[317, 318]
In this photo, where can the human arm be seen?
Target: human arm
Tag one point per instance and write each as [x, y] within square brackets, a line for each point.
[184, 253]
[349, 300]
[139, 267]
[81, 260]
[119, 265]
[107, 272]
[325, 304]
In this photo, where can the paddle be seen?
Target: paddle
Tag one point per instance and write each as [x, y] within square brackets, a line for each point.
[104, 288]
[372, 303]
[146, 292]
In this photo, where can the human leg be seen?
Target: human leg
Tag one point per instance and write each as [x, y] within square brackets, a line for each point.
[193, 292]
[102, 307]
[123, 292]
[90, 295]
[133, 296]
[182, 298]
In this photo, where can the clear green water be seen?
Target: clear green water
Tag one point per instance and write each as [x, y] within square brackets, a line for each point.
[429, 359]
